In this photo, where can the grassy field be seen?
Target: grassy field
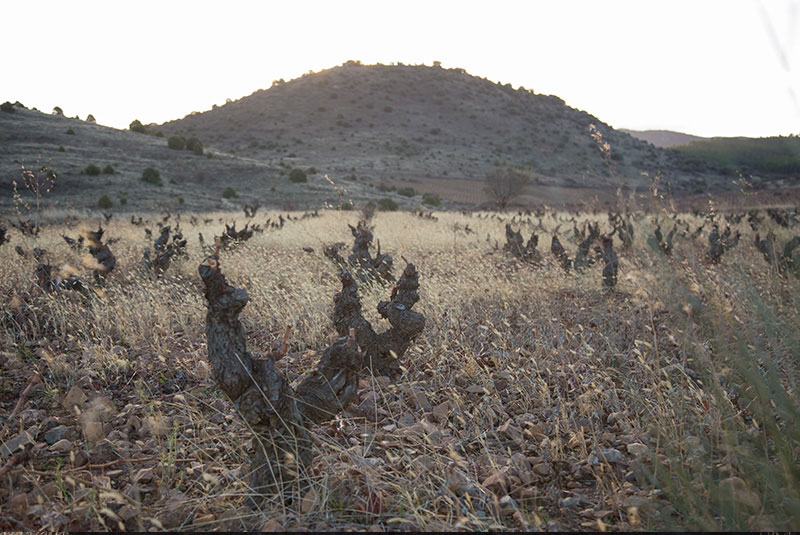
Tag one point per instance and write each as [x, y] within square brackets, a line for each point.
[533, 400]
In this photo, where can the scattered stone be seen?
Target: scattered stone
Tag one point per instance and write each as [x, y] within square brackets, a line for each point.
[74, 397]
[57, 433]
[637, 449]
[62, 446]
[15, 444]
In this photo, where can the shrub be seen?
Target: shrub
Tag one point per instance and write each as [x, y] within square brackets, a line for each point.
[298, 175]
[58, 111]
[407, 192]
[152, 176]
[193, 144]
[229, 193]
[176, 142]
[90, 119]
[137, 126]
[385, 204]
[181, 200]
[346, 205]
[92, 170]
[123, 201]
[108, 170]
[70, 131]
[431, 199]
[7, 107]
[61, 148]
[104, 202]
[311, 170]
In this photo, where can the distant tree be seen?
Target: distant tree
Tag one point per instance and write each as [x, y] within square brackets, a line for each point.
[431, 199]
[58, 111]
[108, 169]
[229, 193]
[176, 142]
[505, 183]
[193, 144]
[298, 175]
[152, 176]
[105, 202]
[7, 107]
[407, 192]
[90, 118]
[137, 126]
[92, 170]
[385, 204]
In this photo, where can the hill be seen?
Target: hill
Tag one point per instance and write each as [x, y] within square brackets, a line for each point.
[431, 128]
[663, 138]
[775, 157]
[68, 146]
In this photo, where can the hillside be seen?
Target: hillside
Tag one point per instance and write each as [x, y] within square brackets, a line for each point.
[772, 156]
[429, 126]
[33, 139]
[663, 138]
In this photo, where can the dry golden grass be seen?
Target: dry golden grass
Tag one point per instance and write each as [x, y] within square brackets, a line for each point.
[533, 400]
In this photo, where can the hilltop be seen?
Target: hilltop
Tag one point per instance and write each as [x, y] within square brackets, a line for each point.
[432, 128]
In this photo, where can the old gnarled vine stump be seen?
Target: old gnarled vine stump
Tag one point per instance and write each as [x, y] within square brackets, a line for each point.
[280, 416]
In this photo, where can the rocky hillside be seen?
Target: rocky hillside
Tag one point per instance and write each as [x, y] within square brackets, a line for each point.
[398, 124]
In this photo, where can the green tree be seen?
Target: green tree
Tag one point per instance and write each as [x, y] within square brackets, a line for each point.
[152, 176]
[386, 204]
[176, 142]
[92, 170]
[105, 202]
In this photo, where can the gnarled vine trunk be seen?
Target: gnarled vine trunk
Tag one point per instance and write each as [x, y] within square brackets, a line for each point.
[279, 416]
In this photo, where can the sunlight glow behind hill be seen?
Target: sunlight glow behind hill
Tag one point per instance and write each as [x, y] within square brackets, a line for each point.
[716, 68]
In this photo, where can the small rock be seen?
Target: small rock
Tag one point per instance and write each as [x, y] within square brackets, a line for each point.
[126, 513]
[74, 397]
[543, 469]
[57, 433]
[457, 482]
[81, 459]
[18, 504]
[609, 455]
[420, 400]
[15, 444]
[62, 446]
[637, 449]
[497, 483]
[407, 419]
[441, 411]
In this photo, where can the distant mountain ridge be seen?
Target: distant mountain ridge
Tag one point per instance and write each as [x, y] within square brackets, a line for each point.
[664, 138]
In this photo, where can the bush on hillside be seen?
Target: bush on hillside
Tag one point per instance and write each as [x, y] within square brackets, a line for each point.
[195, 145]
[298, 175]
[176, 142]
[152, 176]
[104, 202]
[385, 204]
[431, 199]
[92, 170]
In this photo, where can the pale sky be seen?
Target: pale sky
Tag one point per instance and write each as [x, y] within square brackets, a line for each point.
[709, 68]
